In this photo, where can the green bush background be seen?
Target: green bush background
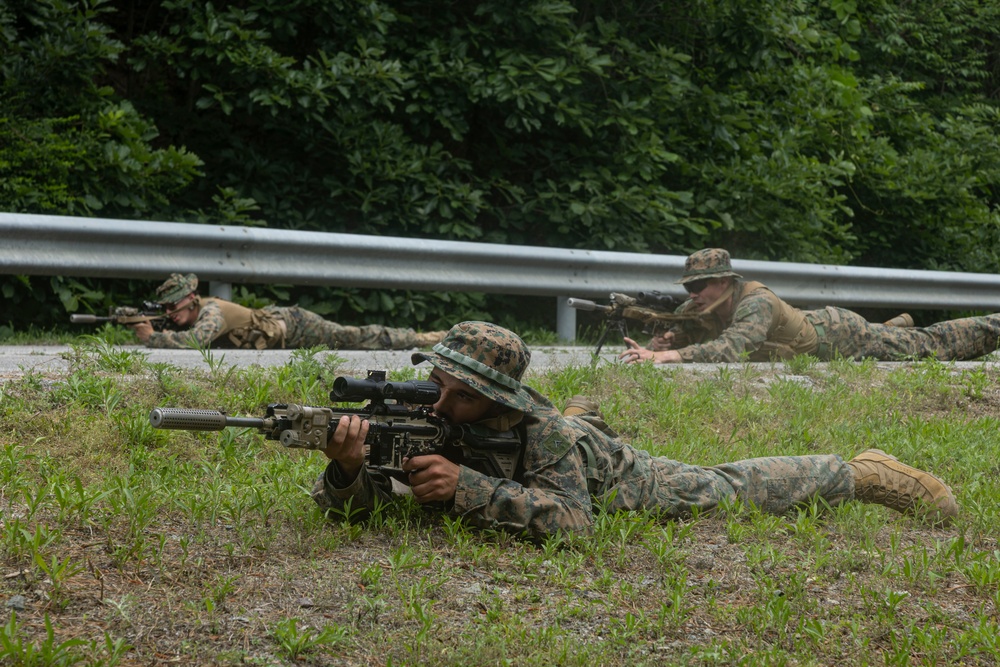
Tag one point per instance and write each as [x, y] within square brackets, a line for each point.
[857, 132]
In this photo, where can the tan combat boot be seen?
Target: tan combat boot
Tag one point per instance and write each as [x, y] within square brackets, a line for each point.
[580, 404]
[882, 479]
[902, 320]
[429, 338]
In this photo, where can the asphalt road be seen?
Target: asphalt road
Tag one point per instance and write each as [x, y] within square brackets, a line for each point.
[54, 360]
[15, 360]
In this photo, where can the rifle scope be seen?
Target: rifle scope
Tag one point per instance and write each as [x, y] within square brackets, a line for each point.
[421, 392]
[656, 299]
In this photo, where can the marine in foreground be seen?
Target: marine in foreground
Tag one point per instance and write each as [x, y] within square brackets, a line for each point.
[569, 462]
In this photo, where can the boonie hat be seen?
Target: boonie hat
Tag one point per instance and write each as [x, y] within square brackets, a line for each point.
[707, 263]
[176, 287]
[488, 358]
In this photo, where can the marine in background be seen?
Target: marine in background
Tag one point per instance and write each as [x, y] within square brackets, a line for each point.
[746, 320]
[212, 322]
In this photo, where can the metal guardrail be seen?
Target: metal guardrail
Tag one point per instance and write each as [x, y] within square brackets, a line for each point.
[60, 245]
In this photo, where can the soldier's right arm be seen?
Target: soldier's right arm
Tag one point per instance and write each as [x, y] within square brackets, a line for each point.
[209, 326]
[551, 495]
[747, 333]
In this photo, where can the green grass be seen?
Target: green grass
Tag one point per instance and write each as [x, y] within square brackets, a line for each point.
[126, 545]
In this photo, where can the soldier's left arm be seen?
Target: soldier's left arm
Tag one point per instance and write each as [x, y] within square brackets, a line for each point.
[354, 499]
[143, 330]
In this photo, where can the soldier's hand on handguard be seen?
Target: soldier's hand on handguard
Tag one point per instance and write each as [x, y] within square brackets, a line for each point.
[664, 341]
[347, 444]
[432, 478]
[143, 330]
[636, 353]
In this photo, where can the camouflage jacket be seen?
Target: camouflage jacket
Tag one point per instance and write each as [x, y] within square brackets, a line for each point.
[222, 323]
[761, 326]
[566, 463]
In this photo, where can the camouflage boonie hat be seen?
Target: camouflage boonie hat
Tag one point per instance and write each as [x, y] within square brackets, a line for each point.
[707, 263]
[488, 358]
[176, 287]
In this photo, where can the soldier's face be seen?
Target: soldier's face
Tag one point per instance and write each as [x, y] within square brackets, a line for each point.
[707, 291]
[182, 313]
[460, 403]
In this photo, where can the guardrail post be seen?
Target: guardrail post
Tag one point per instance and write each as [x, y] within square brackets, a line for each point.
[220, 290]
[565, 321]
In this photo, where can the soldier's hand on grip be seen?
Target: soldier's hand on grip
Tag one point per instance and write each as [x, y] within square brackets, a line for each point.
[664, 341]
[432, 478]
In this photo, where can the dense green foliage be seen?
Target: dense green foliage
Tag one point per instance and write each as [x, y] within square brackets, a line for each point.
[838, 131]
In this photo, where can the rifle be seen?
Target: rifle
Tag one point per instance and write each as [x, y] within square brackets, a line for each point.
[400, 426]
[150, 312]
[653, 309]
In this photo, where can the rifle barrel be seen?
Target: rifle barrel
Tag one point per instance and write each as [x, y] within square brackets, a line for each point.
[188, 419]
[80, 318]
[586, 304]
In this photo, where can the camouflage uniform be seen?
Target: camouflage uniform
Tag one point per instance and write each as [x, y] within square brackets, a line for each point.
[222, 323]
[761, 326]
[569, 462]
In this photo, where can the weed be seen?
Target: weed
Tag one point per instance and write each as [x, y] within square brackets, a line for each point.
[16, 650]
[58, 574]
[297, 641]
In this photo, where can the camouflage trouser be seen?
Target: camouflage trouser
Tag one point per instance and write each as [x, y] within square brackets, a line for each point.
[847, 333]
[774, 484]
[307, 329]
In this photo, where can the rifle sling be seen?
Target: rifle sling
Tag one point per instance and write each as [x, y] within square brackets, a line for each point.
[718, 302]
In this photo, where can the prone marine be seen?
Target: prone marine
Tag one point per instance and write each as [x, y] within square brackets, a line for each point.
[210, 321]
